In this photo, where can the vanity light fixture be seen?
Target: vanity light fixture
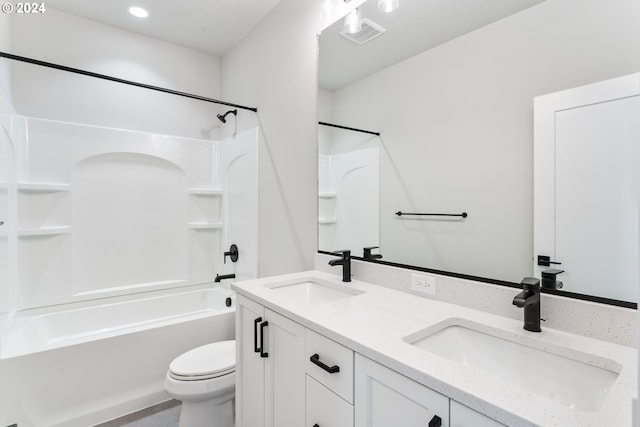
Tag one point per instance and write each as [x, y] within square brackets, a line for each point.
[353, 21]
[138, 12]
[388, 5]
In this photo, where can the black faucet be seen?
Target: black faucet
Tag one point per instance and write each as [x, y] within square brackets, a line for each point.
[224, 276]
[549, 279]
[345, 262]
[529, 299]
[368, 256]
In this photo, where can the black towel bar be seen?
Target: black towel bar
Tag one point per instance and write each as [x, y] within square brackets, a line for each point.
[463, 214]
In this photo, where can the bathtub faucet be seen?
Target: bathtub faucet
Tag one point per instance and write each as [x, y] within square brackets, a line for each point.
[224, 276]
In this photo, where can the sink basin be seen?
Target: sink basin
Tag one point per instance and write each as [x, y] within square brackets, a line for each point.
[577, 380]
[314, 291]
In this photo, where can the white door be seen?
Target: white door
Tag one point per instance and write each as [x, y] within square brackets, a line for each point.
[385, 398]
[249, 364]
[586, 191]
[284, 372]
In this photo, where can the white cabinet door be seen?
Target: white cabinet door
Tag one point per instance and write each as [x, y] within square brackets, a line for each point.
[385, 398]
[284, 372]
[249, 364]
[461, 416]
[270, 371]
[325, 408]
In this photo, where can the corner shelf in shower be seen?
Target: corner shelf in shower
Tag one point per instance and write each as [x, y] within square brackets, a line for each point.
[44, 231]
[205, 191]
[43, 188]
[205, 225]
[327, 220]
[327, 194]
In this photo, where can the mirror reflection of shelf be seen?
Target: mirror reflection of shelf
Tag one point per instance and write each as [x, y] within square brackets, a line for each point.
[327, 194]
[205, 191]
[43, 188]
[44, 231]
[205, 225]
[326, 220]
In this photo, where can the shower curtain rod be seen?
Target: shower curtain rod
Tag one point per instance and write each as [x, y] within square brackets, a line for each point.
[118, 80]
[348, 128]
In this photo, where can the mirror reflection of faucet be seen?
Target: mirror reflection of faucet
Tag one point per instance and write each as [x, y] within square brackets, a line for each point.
[549, 279]
[368, 256]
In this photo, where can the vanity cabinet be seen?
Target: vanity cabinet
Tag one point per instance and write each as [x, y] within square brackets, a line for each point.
[386, 398]
[290, 376]
[270, 382]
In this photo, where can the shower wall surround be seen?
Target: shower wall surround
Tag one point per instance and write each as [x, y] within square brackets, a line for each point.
[104, 212]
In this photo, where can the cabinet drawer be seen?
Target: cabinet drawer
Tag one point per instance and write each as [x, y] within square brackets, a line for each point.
[325, 408]
[461, 416]
[329, 354]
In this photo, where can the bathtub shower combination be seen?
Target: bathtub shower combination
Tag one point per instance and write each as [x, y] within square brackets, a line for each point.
[110, 243]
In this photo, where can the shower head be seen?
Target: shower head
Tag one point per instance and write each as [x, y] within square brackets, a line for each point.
[223, 117]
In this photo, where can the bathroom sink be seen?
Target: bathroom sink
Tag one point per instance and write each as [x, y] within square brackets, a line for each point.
[314, 291]
[577, 380]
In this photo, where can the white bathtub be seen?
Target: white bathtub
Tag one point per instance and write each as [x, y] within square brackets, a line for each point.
[90, 363]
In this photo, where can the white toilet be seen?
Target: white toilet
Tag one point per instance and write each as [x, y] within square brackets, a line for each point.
[204, 380]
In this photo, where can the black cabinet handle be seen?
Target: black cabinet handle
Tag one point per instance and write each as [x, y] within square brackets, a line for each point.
[436, 421]
[255, 334]
[315, 359]
[316, 425]
[262, 326]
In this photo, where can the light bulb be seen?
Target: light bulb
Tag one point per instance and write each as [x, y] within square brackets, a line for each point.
[353, 21]
[138, 12]
[388, 5]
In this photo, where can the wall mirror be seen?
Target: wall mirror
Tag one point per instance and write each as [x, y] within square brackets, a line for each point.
[450, 86]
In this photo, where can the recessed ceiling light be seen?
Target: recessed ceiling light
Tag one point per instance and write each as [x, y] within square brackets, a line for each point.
[388, 5]
[138, 11]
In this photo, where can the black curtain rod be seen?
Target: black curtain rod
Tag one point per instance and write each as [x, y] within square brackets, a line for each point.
[348, 128]
[118, 80]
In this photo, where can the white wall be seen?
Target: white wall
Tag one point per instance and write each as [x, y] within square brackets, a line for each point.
[456, 125]
[5, 81]
[81, 43]
[275, 69]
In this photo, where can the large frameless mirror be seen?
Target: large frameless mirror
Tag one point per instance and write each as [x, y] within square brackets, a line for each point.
[451, 86]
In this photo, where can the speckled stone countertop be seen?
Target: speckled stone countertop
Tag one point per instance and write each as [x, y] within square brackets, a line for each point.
[375, 322]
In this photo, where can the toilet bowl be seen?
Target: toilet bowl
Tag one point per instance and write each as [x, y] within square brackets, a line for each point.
[204, 380]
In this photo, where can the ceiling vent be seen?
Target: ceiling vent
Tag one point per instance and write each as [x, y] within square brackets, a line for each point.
[370, 30]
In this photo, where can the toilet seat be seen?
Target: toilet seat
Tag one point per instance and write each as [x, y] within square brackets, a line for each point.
[205, 362]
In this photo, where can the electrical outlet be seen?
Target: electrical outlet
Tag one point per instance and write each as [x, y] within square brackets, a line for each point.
[423, 283]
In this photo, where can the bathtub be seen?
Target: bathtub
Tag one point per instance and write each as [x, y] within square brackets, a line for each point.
[82, 364]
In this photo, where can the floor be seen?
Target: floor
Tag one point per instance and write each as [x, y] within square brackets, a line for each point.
[165, 414]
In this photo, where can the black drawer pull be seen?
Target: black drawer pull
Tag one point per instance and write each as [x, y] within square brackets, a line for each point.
[316, 425]
[436, 421]
[255, 334]
[315, 359]
[262, 326]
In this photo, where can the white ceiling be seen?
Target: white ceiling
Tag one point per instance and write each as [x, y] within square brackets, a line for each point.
[211, 26]
[417, 25]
